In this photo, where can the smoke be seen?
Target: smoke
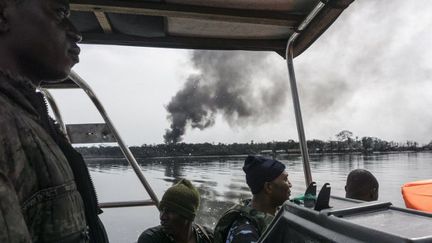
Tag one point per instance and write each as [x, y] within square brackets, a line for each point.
[241, 86]
[370, 72]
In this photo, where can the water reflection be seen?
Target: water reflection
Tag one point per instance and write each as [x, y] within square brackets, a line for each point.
[173, 169]
[221, 183]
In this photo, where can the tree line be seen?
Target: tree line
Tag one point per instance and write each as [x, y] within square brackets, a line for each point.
[344, 142]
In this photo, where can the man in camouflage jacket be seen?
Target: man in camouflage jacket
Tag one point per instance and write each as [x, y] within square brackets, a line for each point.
[269, 184]
[46, 194]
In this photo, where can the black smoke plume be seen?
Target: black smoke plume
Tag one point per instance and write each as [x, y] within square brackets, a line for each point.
[238, 85]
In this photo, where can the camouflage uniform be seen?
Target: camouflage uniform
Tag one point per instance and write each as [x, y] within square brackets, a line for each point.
[157, 235]
[241, 224]
[40, 200]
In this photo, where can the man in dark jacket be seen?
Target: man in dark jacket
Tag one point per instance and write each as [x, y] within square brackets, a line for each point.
[178, 209]
[270, 187]
[46, 194]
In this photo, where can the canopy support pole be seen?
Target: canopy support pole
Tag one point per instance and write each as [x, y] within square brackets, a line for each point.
[294, 91]
[298, 116]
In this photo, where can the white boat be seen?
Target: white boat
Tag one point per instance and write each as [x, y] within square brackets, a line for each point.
[285, 27]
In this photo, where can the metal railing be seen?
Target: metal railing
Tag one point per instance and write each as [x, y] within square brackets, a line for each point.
[55, 110]
[124, 148]
[294, 91]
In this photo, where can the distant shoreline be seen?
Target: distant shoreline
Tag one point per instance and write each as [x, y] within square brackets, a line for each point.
[345, 144]
[172, 157]
[90, 158]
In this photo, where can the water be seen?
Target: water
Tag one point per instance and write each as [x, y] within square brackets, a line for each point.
[221, 183]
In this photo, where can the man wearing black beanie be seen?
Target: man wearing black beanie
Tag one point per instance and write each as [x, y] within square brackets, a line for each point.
[270, 187]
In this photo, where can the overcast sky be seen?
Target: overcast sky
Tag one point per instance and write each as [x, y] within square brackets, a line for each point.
[370, 73]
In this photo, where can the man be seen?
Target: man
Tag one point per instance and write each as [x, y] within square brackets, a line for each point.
[46, 194]
[361, 185]
[178, 209]
[270, 187]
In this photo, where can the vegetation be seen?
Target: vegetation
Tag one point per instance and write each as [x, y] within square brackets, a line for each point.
[344, 143]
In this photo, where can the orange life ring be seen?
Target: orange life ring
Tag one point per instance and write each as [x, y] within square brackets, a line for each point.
[418, 195]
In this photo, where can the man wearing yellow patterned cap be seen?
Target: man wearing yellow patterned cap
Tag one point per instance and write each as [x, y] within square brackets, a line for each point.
[178, 209]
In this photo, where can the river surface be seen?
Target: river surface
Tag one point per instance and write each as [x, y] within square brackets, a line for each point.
[221, 183]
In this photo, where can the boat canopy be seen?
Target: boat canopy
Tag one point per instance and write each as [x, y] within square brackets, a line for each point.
[287, 27]
[253, 25]
[256, 25]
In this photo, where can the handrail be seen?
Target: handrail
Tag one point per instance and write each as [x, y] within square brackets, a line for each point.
[126, 204]
[124, 148]
[296, 101]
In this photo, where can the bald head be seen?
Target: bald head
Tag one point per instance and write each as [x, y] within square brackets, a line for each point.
[361, 185]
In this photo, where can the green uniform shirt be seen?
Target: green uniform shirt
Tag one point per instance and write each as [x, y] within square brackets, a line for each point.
[157, 235]
[241, 223]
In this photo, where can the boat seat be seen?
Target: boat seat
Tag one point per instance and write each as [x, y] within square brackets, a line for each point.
[350, 221]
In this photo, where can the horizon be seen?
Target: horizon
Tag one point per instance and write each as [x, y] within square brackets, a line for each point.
[358, 138]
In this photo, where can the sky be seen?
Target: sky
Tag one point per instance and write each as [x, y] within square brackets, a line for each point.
[369, 73]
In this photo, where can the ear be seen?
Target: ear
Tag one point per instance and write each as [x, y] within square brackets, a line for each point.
[268, 188]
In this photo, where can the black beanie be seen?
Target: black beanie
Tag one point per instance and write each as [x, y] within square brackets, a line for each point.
[260, 170]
